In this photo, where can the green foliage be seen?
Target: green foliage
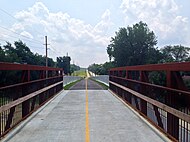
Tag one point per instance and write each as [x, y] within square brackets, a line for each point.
[101, 69]
[158, 78]
[133, 46]
[19, 54]
[51, 63]
[10, 54]
[2, 55]
[22, 54]
[39, 60]
[81, 73]
[105, 68]
[74, 67]
[64, 62]
[95, 68]
[176, 53]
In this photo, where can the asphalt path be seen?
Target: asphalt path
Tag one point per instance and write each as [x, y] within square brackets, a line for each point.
[91, 85]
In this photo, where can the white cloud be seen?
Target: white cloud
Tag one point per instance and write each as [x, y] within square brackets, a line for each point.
[162, 16]
[26, 34]
[105, 23]
[84, 42]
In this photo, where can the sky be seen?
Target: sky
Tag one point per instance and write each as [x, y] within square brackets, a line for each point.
[83, 28]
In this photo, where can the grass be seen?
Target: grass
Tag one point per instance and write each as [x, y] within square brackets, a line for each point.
[104, 86]
[81, 73]
[68, 86]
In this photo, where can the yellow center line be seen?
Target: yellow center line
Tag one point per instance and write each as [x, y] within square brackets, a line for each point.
[87, 123]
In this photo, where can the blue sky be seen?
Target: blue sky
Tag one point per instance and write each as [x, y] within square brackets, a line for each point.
[83, 28]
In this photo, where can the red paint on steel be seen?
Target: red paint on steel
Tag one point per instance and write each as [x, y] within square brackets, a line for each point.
[137, 79]
[14, 93]
[26, 104]
[29, 82]
[143, 78]
[184, 66]
[153, 85]
[12, 66]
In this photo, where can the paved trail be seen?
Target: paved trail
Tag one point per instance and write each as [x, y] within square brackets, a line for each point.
[83, 115]
[81, 85]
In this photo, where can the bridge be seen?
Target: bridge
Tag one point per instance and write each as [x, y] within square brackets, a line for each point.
[143, 103]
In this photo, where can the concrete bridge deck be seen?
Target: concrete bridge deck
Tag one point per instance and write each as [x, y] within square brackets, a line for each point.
[84, 115]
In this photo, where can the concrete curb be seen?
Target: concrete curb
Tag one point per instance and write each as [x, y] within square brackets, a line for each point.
[70, 79]
[160, 134]
[102, 82]
[22, 124]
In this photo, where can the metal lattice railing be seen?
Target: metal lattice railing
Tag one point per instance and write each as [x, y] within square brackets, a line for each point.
[159, 92]
[18, 101]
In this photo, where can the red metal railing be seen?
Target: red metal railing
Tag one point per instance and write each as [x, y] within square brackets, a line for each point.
[165, 105]
[18, 101]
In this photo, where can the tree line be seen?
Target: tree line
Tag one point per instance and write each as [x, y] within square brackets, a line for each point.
[20, 53]
[136, 45]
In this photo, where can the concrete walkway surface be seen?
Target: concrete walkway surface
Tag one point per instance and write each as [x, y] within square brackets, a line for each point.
[64, 120]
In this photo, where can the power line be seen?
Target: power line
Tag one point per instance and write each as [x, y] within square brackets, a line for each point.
[26, 37]
[54, 49]
[20, 34]
[54, 52]
[18, 21]
[16, 18]
[27, 46]
[22, 39]
[8, 14]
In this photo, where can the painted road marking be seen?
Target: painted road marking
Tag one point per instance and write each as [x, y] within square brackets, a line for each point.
[87, 123]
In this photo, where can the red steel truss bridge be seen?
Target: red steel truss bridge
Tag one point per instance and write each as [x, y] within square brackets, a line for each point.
[143, 103]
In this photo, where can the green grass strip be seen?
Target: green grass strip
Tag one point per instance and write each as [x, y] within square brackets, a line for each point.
[81, 73]
[68, 86]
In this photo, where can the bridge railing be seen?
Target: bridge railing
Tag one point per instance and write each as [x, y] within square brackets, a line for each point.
[35, 86]
[158, 92]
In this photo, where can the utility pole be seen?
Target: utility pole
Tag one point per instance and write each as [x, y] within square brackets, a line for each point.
[46, 44]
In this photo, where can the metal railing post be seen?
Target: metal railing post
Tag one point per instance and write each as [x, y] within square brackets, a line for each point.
[26, 104]
[143, 78]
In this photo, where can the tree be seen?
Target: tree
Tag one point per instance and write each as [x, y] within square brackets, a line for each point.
[64, 62]
[21, 53]
[105, 68]
[10, 53]
[176, 53]
[101, 69]
[39, 60]
[2, 55]
[51, 63]
[133, 46]
[24, 52]
[95, 68]
[74, 67]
